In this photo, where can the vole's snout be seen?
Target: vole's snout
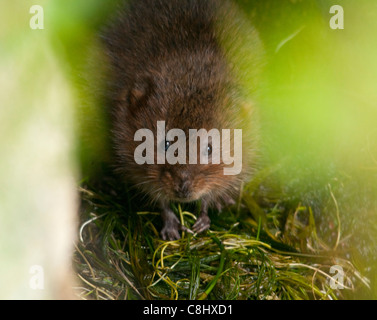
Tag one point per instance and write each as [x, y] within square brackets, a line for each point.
[178, 184]
[183, 189]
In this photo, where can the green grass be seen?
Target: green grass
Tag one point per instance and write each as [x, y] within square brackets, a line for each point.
[121, 256]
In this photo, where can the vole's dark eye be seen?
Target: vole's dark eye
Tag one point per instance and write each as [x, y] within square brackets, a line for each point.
[167, 145]
[209, 150]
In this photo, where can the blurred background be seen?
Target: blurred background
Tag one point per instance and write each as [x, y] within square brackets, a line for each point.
[318, 119]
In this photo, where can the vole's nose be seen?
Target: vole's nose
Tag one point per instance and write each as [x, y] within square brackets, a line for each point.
[183, 190]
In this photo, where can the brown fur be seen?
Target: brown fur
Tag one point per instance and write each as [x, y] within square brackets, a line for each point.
[167, 64]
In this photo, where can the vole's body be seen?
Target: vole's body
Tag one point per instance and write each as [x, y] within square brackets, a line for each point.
[168, 64]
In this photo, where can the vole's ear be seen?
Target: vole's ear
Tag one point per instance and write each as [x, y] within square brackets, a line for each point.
[132, 100]
[140, 92]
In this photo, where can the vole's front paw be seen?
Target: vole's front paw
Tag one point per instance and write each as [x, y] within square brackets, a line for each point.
[170, 231]
[202, 224]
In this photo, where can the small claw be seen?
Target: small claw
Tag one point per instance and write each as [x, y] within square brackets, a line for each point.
[202, 224]
[169, 234]
[185, 229]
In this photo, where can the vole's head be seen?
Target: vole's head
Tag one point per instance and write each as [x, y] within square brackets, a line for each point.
[170, 137]
[187, 166]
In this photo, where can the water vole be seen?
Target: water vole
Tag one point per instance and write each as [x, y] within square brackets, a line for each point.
[170, 61]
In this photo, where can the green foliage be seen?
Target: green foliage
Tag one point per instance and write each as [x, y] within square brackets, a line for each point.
[237, 259]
